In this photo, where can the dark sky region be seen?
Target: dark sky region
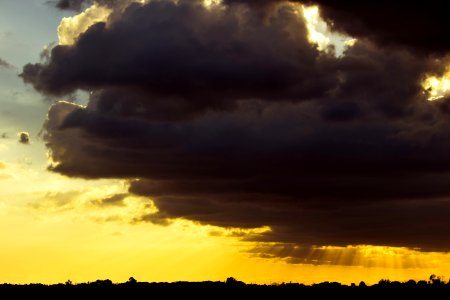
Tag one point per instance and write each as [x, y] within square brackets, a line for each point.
[228, 115]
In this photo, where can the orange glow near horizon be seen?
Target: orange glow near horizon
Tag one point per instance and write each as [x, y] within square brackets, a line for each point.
[53, 249]
[55, 231]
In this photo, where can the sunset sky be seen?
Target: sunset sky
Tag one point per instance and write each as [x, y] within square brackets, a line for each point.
[271, 141]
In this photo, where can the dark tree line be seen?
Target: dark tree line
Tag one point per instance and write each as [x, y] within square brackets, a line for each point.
[230, 287]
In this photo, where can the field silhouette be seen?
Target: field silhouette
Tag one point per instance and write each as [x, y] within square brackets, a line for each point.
[230, 288]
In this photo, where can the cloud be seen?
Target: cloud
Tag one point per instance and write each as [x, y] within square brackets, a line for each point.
[190, 55]
[79, 5]
[75, 5]
[71, 27]
[113, 200]
[419, 26]
[4, 64]
[362, 255]
[24, 137]
[58, 201]
[231, 117]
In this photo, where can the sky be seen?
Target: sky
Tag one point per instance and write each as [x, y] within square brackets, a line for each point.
[272, 141]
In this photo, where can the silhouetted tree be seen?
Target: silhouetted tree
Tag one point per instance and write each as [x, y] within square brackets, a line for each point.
[230, 288]
[422, 283]
[384, 282]
[436, 280]
[233, 282]
[131, 280]
[105, 282]
[411, 283]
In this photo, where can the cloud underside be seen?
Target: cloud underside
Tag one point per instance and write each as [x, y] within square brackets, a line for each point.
[229, 116]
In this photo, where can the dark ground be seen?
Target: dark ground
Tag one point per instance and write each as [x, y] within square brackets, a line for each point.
[231, 289]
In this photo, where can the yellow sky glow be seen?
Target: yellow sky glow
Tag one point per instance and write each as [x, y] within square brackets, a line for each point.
[53, 231]
[53, 248]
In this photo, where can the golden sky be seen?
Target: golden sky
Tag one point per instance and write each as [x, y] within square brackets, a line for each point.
[51, 233]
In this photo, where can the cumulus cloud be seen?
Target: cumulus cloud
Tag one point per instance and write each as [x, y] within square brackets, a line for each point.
[24, 137]
[71, 27]
[192, 55]
[420, 26]
[227, 115]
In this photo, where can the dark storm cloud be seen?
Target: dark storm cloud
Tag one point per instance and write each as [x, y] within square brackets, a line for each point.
[75, 5]
[24, 137]
[79, 5]
[314, 183]
[224, 55]
[419, 25]
[230, 117]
